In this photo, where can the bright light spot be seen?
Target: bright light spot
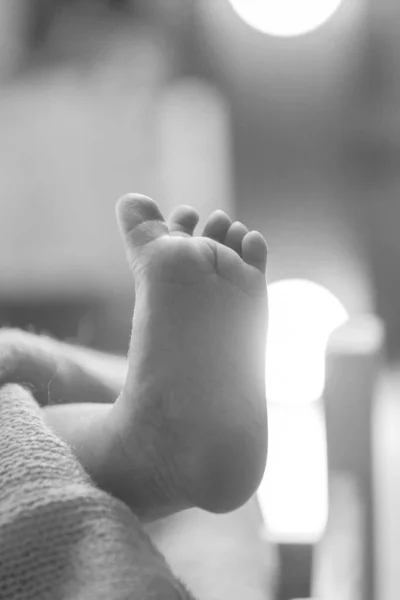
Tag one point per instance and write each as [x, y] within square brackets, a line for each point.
[293, 495]
[285, 17]
[302, 315]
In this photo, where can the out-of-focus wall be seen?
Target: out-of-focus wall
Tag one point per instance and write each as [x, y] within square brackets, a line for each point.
[76, 133]
[377, 175]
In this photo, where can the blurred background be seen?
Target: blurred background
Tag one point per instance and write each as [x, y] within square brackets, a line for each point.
[285, 114]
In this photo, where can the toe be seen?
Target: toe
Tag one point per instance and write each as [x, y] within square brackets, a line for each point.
[217, 226]
[183, 220]
[235, 235]
[140, 220]
[254, 250]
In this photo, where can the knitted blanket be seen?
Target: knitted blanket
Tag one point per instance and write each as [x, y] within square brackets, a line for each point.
[61, 538]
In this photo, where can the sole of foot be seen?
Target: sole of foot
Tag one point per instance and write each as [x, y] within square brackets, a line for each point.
[190, 426]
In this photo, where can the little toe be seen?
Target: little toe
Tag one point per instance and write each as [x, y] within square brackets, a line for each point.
[217, 226]
[183, 220]
[235, 235]
[254, 250]
[140, 220]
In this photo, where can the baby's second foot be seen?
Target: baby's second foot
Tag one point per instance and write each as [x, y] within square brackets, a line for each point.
[190, 424]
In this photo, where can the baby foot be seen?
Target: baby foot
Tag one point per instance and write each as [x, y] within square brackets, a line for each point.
[191, 422]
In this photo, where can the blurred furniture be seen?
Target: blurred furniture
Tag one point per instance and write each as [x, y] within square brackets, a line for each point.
[387, 484]
[344, 564]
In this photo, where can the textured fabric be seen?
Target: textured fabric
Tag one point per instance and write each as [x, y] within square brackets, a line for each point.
[60, 537]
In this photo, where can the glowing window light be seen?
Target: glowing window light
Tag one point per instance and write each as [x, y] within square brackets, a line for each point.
[293, 495]
[285, 18]
[302, 315]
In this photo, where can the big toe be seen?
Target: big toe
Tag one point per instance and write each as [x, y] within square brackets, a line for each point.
[140, 221]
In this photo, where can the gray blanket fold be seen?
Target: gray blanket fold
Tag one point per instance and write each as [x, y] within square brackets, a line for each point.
[60, 536]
